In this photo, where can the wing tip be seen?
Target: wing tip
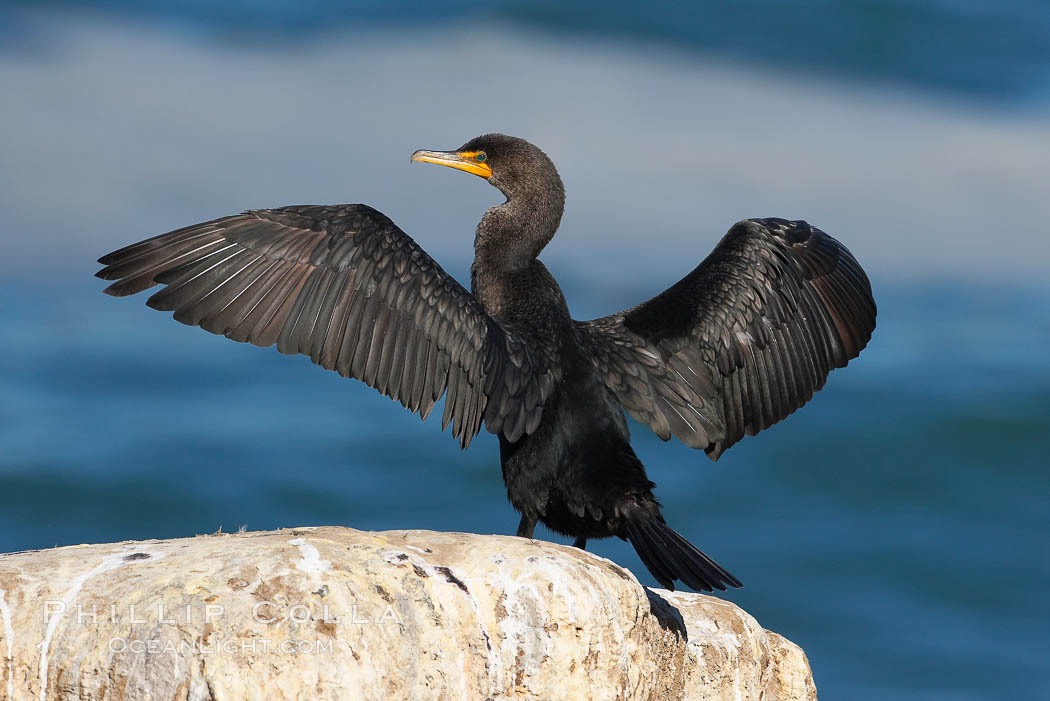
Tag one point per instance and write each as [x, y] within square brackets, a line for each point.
[126, 287]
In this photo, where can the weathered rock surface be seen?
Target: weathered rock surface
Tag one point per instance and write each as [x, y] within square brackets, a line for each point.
[326, 613]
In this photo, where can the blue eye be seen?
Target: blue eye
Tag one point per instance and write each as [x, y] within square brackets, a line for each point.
[480, 158]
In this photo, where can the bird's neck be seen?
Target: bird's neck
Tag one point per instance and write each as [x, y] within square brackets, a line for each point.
[511, 235]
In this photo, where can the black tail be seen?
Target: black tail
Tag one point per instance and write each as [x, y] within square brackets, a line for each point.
[669, 556]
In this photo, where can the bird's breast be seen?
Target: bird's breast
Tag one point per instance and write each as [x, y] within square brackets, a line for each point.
[528, 298]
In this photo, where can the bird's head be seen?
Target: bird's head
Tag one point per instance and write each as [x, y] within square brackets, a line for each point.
[513, 165]
[518, 229]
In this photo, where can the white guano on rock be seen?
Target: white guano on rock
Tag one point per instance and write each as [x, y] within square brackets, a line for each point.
[334, 613]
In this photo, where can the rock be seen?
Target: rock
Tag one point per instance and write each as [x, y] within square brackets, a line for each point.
[325, 613]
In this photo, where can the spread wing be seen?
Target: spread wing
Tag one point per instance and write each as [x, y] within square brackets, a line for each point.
[743, 340]
[345, 286]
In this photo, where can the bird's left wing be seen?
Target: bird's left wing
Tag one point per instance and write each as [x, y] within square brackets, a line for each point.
[740, 342]
[345, 286]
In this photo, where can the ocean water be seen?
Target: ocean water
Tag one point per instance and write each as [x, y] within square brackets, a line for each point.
[896, 527]
[996, 51]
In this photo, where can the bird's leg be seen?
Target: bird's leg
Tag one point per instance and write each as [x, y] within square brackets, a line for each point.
[526, 526]
[580, 543]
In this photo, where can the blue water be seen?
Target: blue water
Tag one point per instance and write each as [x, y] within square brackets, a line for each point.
[895, 528]
[997, 51]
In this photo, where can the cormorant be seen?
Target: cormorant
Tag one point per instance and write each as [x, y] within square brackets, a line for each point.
[736, 345]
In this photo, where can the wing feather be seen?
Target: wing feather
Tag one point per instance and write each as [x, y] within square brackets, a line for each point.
[759, 324]
[345, 286]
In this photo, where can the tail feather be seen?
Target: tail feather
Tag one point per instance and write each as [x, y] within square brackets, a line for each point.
[669, 556]
[651, 557]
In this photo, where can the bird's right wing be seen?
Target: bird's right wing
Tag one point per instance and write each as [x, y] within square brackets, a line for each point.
[743, 340]
[345, 286]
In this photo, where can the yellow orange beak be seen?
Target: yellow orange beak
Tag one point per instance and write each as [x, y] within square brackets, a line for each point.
[460, 160]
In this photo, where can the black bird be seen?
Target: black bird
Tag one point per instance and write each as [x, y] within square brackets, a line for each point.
[736, 345]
